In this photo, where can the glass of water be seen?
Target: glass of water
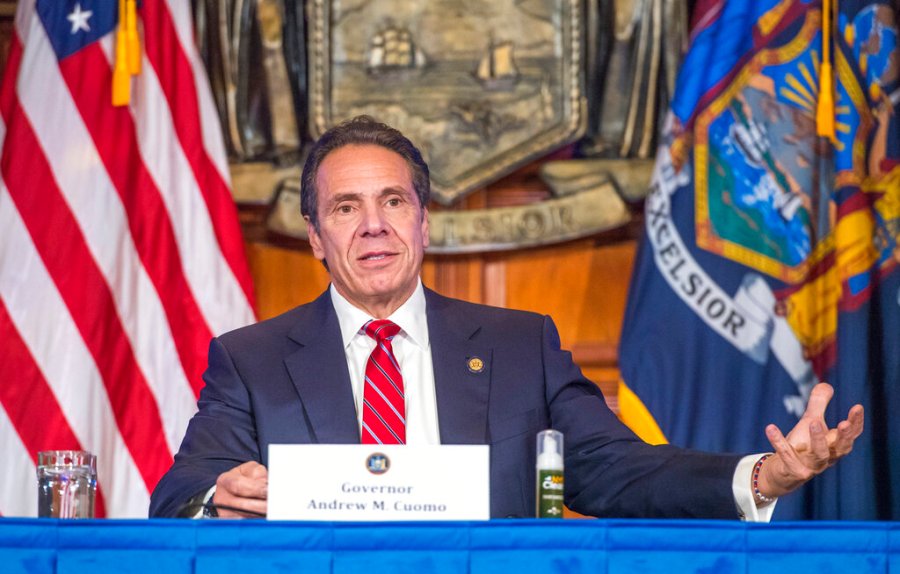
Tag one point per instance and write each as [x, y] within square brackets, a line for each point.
[67, 483]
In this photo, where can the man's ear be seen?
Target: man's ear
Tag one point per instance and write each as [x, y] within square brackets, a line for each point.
[426, 229]
[314, 240]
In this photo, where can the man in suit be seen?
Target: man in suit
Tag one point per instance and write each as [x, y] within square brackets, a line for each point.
[467, 374]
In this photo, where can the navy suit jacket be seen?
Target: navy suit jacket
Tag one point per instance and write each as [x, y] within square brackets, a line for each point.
[285, 380]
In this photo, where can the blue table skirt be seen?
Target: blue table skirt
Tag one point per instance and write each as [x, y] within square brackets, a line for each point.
[521, 546]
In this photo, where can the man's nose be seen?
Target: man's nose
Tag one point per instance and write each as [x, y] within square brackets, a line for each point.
[373, 221]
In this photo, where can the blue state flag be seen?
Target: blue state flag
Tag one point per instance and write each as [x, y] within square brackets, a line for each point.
[769, 260]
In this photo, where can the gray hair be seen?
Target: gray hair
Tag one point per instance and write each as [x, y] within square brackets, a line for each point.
[361, 130]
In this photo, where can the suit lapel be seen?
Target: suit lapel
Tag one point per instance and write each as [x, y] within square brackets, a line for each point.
[318, 370]
[461, 383]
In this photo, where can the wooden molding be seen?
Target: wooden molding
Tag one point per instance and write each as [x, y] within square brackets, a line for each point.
[596, 354]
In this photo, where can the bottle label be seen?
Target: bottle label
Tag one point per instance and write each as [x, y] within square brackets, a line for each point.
[549, 494]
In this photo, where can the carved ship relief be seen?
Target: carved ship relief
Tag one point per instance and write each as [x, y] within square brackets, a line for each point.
[497, 69]
[393, 49]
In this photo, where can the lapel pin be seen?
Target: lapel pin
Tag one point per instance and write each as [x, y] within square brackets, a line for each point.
[475, 365]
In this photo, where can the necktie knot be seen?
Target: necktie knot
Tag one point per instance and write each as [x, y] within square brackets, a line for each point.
[382, 330]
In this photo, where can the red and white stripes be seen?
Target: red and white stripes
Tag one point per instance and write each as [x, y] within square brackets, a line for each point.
[120, 256]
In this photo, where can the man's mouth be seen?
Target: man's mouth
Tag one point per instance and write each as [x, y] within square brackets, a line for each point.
[374, 256]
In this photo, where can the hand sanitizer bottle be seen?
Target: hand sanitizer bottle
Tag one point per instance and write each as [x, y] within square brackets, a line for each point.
[549, 474]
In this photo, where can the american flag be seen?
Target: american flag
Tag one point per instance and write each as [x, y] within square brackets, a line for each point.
[120, 249]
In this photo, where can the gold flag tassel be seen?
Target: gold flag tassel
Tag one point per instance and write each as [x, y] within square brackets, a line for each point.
[128, 53]
[121, 86]
[825, 108]
[133, 40]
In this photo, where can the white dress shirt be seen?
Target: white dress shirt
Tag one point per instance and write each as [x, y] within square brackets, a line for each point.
[412, 350]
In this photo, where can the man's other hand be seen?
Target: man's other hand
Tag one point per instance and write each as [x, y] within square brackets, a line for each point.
[810, 447]
[244, 487]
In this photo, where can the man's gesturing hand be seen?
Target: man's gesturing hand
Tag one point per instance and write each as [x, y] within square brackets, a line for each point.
[245, 487]
[810, 447]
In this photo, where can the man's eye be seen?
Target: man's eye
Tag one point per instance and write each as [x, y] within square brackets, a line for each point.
[344, 209]
[394, 201]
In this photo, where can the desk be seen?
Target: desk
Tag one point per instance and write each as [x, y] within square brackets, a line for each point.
[522, 546]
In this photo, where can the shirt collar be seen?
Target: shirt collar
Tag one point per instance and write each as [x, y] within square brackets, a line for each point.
[410, 317]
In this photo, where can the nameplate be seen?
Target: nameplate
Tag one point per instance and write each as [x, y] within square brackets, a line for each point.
[378, 482]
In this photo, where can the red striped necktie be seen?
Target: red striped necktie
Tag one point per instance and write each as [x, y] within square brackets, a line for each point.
[384, 404]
